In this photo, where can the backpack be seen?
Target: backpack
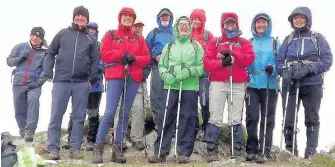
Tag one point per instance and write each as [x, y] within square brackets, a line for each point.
[218, 42]
[206, 36]
[314, 36]
[8, 153]
[274, 44]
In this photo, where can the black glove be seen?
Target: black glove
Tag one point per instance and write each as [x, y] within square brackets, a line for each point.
[269, 69]
[145, 73]
[33, 85]
[300, 74]
[124, 61]
[226, 61]
[130, 58]
[225, 53]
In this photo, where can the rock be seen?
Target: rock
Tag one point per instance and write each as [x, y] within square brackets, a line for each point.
[40, 149]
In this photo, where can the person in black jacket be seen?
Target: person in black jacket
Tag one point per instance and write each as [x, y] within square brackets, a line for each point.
[76, 69]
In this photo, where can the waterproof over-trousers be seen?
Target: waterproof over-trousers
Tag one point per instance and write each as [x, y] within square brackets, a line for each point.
[255, 106]
[156, 94]
[187, 122]
[92, 111]
[114, 93]
[310, 96]
[61, 93]
[26, 105]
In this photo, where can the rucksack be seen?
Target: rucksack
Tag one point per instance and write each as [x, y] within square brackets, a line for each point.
[8, 153]
[218, 42]
[206, 36]
[274, 44]
[314, 36]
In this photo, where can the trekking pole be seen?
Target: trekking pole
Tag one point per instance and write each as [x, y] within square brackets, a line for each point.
[265, 117]
[164, 119]
[123, 105]
[177, 123]
[295, 116]
[145, 138]
[231, 109]
[284, 117]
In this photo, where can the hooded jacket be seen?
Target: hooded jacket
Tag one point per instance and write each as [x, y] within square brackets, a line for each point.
[182, 51]
[114, 48]
[198, 33]
[243, 55]
[264, 51]
[304, 49]
[157, 40]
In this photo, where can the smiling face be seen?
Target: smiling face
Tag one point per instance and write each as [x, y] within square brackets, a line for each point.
[35, 40]
[196, 22]
[165, 18]
[138, 28]
[261, 25]
[183, 27]
[81, 20]
[230, 24]
[299, 21]
[127, 20]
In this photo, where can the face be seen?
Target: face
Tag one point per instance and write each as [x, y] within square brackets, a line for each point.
[299, 20]
[92, 30]
[165, 20]
[183, 27]
[138, 28]
[261, 25]
[35, 40]
[81, 20]
[230, 25]
[196, 23]
[127, 20]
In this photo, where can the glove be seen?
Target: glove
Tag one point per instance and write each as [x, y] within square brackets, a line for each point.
[169, 79]
[269, 69]
[227, 61]
[225, 53]
[183, 74]
[25, 54]
[300, 74]
[124, 61]
[33, 85]
[130, 58]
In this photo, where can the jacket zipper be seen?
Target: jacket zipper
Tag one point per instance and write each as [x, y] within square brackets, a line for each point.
[75, 52]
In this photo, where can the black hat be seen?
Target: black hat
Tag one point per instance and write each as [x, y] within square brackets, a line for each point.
[38, 31]
[83, 11]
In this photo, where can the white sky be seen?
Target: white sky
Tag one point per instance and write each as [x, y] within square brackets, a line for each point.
[19, 16]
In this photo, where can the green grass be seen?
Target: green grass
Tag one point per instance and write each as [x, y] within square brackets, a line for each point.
[322, 160]
[138, 165]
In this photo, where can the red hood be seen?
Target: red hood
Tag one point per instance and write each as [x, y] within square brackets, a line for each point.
[223, 17]
[199, 13]
[129, 11]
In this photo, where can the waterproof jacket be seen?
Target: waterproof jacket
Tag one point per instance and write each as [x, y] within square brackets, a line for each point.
[305, 49]
[265, 55]
[242, 51]
[99, 86]
[159, 37]
[182, 51]
[29, 69]
[114, 48]
[76, 55]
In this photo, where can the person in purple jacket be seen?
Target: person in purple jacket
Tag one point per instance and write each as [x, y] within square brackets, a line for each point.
[302, 60]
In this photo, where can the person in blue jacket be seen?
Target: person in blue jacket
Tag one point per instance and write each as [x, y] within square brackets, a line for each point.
[262, 68]
[94, 99]
[302, 60]
[156, 41]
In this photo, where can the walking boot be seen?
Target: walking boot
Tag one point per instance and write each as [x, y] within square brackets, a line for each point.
[76, 154]
[53, 155]
[183, 159]
[29, 136]
[250, 157]
[156, 159]
[213, 155]
[117, 155]
[98, 152]
[89, 146]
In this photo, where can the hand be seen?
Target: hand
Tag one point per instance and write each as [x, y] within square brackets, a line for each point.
[124, 61]
[300, 74]
[158, 58]
[227, 61]
[169, 79]
[183, 74]
[25, 54]
[33, 85]
[130, 58]
[269, 69]
[225, 53]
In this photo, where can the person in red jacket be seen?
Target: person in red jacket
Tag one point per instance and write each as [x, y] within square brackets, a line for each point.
[124, 54]
[228, 52]
[199, 33]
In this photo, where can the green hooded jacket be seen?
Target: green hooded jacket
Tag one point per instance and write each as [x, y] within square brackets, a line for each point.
[182, 62]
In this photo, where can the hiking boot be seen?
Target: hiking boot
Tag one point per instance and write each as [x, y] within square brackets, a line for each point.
[98, 152]
[53, 155]
[261, 158]
[66, 146]
[240, 158]
[308, 156]
[183, 159]
[139, 145]
[89, 146]
[29, 136]
[250, 157]
[155, 159]
[213, 155]
[117, 155]
[76, 154]
[124, 146]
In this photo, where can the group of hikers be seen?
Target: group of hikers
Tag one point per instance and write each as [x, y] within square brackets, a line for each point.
[187, 63]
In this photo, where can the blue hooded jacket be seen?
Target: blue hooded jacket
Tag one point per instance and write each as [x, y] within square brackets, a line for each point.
[304, 49]
[163, 36]
[264, 51]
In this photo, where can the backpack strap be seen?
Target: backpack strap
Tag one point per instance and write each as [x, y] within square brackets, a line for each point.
[206, 36]
[290, 38]
[251, 39]
[314, 36]
[195, 46]
[218, 41]
[274, 45]
[155, 33]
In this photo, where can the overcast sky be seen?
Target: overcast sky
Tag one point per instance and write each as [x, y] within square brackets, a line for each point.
[18, 18]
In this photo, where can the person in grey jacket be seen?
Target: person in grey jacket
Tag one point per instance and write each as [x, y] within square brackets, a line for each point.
[28, 79]
[76, 69]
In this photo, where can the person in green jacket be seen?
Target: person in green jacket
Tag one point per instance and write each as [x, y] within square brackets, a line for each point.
[180, 68]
